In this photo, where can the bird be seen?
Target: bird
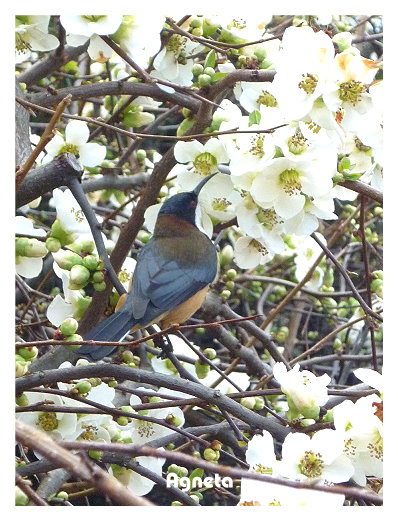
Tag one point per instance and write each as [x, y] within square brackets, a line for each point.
[172, 276]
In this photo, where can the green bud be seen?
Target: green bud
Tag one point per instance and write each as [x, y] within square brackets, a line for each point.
[81, 304]
[196, 23]
[83, 387]
[127, 356]
[378, 274]
[344, 165]
[123, 421]
[226, 255]
[231, 274]
[95, 454]
[200, 330]
[282, 334]
[248, 401]
[21, 366]
[260, 402]
[53, 244]
[230, 285]
[28, 353]
[330, 305]
[99, 286]
[225, 294]
[378, 211]
[184, 126]
[112, 383]
[74, 338]
[209, 71]
[79, 276]
[173, 469]
[197, 69]
[59, 233]
[202, 370]
[21, 499]
[69, 326]
[98, 276]
[176, 504]
[197, 31]
[90, 262]
[328, 417]
[210, 353]
[338, 178]
[140, 154]
[211, 455]
[337, 345]
[67, 259]
[312, 335]
[377, 287]
[22, 400]
[30, 247]
[171, 419]
[195, 498]
[204, 80]
[95, 382]
[342, 309]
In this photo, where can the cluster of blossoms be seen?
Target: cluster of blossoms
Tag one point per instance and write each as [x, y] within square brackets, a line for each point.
[279, 149]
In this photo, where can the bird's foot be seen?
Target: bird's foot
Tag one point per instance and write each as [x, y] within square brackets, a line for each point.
[163, 342]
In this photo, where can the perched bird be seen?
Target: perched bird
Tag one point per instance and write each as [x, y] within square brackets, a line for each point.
[172, 276]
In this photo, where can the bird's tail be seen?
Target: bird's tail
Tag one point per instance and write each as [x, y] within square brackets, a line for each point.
[113, 329]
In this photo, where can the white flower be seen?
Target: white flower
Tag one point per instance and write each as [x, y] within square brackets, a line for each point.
[306, 221]
[370, 377]
[75, 142]
[81, 27]
[143, 431]
[318, 458]
[250, 252]
[205, 158]
[101, 393]
[257, 222]
[283, 184]
[254, 95]
[305, 392]
[362, 431]
[260, 493]
[31, 33]
[93, 427]
[219, 198]
[171, 63]
[136, 483]
[58, 425]
[260, 453]
[29, 267]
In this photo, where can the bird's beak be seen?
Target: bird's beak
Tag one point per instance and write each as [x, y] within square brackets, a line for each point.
[199, 187]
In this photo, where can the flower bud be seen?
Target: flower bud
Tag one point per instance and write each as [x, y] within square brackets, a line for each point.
[99, 286]
[378, 274]
[184, 126]
[21, 499]
[83, 387]
[79, 276]
[59, 233]
[211, 455]
[377, 287]
[98, 276]
[209, 70]
[53, 244]
[197, 31]
[21, 366]
[28, 353]
[81, 304]
[202, 370]
[74, 338]
[248, 401]
[197, 69]
[260, 403]
[69, 326]
[96, 454]
[226, 255]
[204, 80]
[62, 494]
[30, 247]
[22, 400]
[195, 498]
[330, 305]
[67, 259]
[225, 294]
[90, 262]
[210, 353]
[176, 421]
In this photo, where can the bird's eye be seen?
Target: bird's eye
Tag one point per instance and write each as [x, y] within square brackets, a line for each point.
[193, 204]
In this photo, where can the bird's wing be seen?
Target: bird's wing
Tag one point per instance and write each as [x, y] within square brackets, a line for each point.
[160, 284]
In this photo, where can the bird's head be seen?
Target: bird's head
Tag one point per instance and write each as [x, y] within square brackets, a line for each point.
[185, 205]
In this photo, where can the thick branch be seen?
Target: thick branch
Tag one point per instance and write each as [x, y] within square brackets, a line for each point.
[47, 177]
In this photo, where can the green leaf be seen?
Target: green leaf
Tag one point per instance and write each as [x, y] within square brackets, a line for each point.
[196, 473]
[254, 118]
[210, 60]
[218, 76]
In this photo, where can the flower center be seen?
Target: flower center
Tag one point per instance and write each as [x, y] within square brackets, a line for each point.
[298, 143]
[268, 218]
[313, 127]
[376, 447]
[311, 464]
[257, 145]
[47, 421]
[237, 23]
[176, 44]
[89, 433]
[267, 99]
[78, 214]
[21, 45]
[351, 91]
[68, 147]
[220, 204]
[205, 163]
[145, 429]
[258, 246]
[262, 469]
[308, 83]
[124, 276]
[360, 146]
[350, 449]
[93, 17]
[290, 181]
